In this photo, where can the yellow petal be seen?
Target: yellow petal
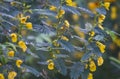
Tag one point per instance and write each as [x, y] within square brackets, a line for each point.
[18, 63]
[22, 45]
[92, 66]
[90, 76]
[29, 25]
[11, 53]
[12, 75]
[51, 66]
[13, 37]
[107, 5]
[100, 61]
[2, 76]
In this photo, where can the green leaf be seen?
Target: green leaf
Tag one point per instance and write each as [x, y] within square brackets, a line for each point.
[86, 56]
[3, 59]
[7, 15]
[44, 12]
[71, 9]
[60, 65]
[43, 37]
[31, 70]
[66, 45]
[86, 11]
[76, 70]
[84, 75]
[12, 45]
[99, 38]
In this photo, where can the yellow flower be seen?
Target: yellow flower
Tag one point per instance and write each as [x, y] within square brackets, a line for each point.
[29, 25]
[113, 12]
[23, 20]
[100, 61]
[113, 16]
[53, 8]
[13, 3]
[101, 18]
[71, 3]
[60, 14]
[18, 63]
[75, 17]
[11, 53]
[90, 76]
[22, 45]
[67, 23]
[107, 5]
[12, 75]
[64, 38]
[93, 5]
[68, 1]
[51, 66]
[92, 66]
[92, 33]
[2, 76]
[55, 43]
[101, 46]
[13, 37]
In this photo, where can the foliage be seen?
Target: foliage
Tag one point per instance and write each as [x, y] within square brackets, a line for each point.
[47, 37]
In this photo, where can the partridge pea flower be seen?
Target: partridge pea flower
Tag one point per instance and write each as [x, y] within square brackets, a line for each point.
[18, 63]
[22, 45]
[13, 37]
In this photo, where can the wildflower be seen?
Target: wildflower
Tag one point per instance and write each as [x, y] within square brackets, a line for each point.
[90, 76]
[13, 37]
[101, 46]
[22, 45]
[64, 38]
[60, 14]
[92, 33]
[2, 76]
[71, 3]
[18, 63]
[107, 5]
[53, 8]
[68, 1]
[75, 17]
[13, 3]
[29, 25]
[67, 23]
[93, 5]
[12, 75]
[55, 43]
[11, 53]
[100, 61]
[92, 66]
[113, 12]
[51, 66]
[23, 20]
[101, 18]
